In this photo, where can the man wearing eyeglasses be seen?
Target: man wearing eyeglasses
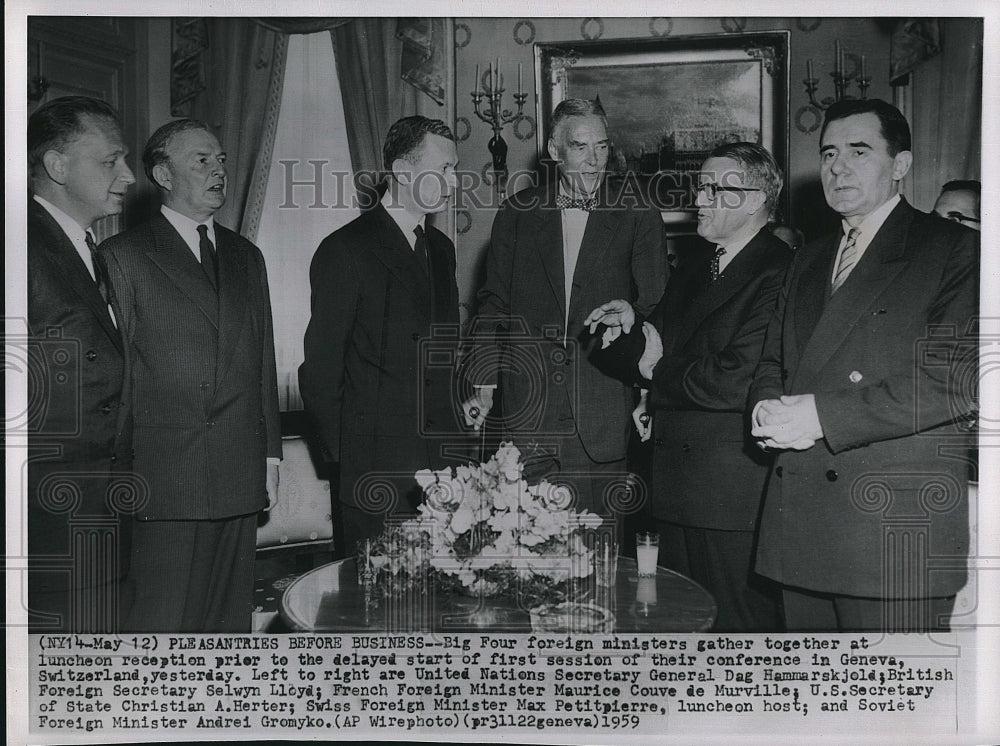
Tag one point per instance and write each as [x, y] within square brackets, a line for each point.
[959, 201]
[695, 356]
[866, 388]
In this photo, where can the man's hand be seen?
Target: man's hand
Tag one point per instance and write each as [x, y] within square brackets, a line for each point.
[788, 423]
[618, 315]
[477, 406]
[652, 353]
[643, 420]
[271, 484]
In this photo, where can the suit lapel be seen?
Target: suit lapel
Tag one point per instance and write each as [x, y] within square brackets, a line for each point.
[178, 263]
[738, 272]
[233, 281]
[71, 270]
[544, 229]
[393, 249]
[881, 263]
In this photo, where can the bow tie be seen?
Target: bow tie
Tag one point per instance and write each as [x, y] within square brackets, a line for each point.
[575, 203]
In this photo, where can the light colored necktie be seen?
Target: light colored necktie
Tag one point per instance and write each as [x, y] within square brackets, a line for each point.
[848, 258]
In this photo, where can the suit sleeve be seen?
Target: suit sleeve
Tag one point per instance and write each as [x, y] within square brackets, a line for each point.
[268, 370]
[923, 392]
[767, 381]
[649, 261]
[482, 366]
[719, 381]
[336, 285]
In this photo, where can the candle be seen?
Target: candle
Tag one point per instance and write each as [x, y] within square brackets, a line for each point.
[863, 66]
[519, 76]
[837, 60]
[809, 69]
[476, 87]
[496, 86]
[489, 76]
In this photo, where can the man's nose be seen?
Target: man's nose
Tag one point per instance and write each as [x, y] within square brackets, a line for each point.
[126, 174]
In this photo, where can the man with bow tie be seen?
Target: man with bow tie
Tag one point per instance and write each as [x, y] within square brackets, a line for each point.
[556, 251]
[867, 392]
[694, 358]
[196, 316]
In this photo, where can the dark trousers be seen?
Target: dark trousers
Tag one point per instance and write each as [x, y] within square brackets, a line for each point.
[193, 576]
[808, 611]
[597, 486]
[720, 561]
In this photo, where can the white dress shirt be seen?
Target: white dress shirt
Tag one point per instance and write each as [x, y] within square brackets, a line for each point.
[406, 220]
[76, 234]
[574, 225]
[867, 229]
[188, 230]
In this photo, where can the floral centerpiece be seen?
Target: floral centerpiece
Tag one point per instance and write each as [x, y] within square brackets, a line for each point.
[483, 530]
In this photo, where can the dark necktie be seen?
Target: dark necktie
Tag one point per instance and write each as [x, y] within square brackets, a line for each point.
[420, 250]
[575, 203]
[100, 273]
[848, 258]
[208, 260]
[714, 266]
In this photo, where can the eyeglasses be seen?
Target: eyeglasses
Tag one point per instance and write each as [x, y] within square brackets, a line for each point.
[711, 190]
[960, 218]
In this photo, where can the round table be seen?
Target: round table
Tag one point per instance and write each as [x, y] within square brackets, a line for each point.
[330, 599]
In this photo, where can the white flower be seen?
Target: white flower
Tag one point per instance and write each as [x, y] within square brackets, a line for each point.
[461, 520]
[509, 461]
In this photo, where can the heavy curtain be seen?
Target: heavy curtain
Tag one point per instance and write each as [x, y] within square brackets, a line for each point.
[945, 111]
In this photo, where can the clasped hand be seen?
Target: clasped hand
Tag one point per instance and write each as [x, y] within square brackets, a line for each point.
[790, 422]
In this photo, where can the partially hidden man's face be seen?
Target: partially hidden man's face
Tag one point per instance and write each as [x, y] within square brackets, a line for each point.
[858, 173]
[195, 174]
[581, 146]
[960, 205]
[95, 174]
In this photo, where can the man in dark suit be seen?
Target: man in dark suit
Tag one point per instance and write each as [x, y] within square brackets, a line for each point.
[865, 520]
[196, 314]
[694, 358]
[379, 285]
[557, 250]
[78, 539]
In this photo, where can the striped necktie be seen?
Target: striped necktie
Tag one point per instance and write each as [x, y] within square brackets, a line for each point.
[848, 258]
[209, 262]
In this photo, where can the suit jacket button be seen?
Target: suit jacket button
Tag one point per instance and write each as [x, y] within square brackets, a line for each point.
[114, 459]
[778, 471]
[91, 355]
[658, 442]
[106, 409]
[855, 377]
[831, 475]
[686, 448]
[203, 386]
[210, 423]
[415, 336]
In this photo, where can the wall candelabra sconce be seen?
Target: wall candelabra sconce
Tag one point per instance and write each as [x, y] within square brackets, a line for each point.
[496, 116]
[840, 77]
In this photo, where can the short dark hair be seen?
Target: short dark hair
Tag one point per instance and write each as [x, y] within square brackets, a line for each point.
[963, 185]
[56, 123]
[759, 167]
[407, 135]
[155, 151]
[575, 107]
[892, 123]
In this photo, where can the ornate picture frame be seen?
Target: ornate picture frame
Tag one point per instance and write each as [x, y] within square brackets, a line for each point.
[670, 100]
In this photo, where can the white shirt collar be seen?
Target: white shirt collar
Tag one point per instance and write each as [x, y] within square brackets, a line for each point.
[70, 227]
[188, 229]
[733, 248]
[405, 219]
[873, 220]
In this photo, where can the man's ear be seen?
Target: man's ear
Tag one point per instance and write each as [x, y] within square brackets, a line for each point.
[402, 171]
[901, 164]
[161, 175]
[55, 166]
[553, 150]
[757, 201]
